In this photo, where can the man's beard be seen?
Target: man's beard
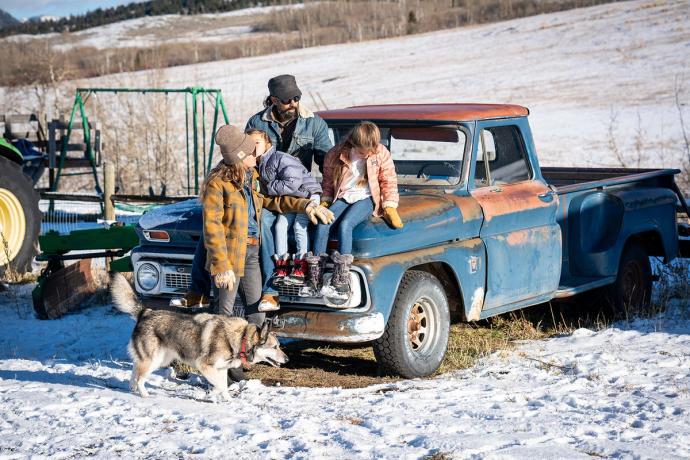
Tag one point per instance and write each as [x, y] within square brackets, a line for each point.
[286, 115]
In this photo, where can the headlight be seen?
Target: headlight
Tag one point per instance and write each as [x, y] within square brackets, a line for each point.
[147, 276]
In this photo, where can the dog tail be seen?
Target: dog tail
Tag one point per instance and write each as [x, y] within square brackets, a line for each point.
[124, 297]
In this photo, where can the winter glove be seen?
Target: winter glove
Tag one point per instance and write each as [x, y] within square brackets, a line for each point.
[225, 280]
[318, 213]
[325, 204]
[391, 216]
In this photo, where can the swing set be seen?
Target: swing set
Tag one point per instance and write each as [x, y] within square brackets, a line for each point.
[195, 99]
[61, 287]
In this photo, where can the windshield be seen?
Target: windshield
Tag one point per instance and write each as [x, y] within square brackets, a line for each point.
[422, 155]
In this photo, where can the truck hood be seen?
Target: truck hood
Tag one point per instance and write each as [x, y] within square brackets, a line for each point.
[429, 218]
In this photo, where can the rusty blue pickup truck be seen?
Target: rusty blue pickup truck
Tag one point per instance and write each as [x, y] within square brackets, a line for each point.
[486, 231]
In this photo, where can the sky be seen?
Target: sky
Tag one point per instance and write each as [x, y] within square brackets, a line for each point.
[29, 8]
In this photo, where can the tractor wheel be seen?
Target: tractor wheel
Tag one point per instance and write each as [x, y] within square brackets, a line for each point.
[20, 218]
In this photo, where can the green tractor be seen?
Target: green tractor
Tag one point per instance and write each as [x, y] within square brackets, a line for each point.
[20, 217]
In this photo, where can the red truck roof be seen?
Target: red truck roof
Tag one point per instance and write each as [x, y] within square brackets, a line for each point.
[437, 112]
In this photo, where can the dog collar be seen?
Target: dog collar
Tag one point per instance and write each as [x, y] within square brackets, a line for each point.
[243, 353]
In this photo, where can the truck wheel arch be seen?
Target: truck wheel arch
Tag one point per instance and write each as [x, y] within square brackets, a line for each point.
[449, 280]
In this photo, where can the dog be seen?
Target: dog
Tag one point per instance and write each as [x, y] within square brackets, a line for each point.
[210, 343]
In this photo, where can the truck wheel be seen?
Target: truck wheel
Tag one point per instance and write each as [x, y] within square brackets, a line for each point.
[631, 293]
[20, 218]
[416, 336]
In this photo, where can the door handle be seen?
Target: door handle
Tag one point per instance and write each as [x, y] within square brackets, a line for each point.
[546, 197]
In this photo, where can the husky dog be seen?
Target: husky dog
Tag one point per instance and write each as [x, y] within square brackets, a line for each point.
[211, 343]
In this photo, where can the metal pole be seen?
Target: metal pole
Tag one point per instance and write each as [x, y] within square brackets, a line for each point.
[196, 142]
[108, 205]
[109, 190]
[213, 137]
[186, 136]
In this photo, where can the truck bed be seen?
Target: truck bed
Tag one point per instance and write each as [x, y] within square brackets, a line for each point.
[567, 180]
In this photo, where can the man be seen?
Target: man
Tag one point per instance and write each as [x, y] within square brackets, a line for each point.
[293, 129]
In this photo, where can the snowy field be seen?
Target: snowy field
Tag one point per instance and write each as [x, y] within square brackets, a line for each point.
[623, 392]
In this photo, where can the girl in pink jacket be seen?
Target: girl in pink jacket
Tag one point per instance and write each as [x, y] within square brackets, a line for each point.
[359, 180]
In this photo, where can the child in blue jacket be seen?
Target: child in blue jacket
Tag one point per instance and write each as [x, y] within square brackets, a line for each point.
[283, 174]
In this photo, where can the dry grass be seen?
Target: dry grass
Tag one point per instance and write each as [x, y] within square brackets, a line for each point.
[314, 365]
[318, 23]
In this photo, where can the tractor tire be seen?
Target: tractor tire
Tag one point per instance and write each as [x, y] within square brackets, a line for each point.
[416, 336]
[20, 218]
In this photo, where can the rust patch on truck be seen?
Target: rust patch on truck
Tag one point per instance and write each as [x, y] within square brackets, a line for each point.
[468, 206]
[413, 258]
[505, 199]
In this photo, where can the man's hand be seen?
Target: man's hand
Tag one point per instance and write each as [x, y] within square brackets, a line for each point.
[225, 280]
[318, 213]
[391, 216]
[325, 204]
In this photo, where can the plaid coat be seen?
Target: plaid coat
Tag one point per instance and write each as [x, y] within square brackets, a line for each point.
[226, 221]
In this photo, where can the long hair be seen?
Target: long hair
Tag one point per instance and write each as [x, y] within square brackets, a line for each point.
[230, 173]
[363, 137]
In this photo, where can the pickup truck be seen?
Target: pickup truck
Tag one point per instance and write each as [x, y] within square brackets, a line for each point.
[486, 231]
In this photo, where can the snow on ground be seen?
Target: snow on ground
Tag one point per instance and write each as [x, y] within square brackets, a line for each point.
[622, 392]
[589, 76]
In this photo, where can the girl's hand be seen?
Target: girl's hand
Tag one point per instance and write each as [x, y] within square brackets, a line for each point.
[225, 280]
[391, 216]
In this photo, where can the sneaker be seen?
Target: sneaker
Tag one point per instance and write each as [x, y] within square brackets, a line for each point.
[299, 272]
[190, 300]
[269, 302]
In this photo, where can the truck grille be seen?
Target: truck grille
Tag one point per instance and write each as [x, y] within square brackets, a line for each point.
[178, 280]
[289, 290]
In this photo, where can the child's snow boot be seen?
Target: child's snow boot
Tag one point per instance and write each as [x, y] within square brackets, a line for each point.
[299, 271]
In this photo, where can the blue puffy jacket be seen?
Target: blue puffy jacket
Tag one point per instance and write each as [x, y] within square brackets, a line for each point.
[283, 174]
[309, 141]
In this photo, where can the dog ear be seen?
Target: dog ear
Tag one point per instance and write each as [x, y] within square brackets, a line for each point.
[251, 334]
[265, 329]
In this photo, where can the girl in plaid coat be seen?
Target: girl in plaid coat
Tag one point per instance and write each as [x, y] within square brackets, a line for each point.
[232, 205]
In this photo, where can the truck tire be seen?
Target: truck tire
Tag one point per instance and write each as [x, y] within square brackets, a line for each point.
[631, 293]
[20, 218]
[416, 336]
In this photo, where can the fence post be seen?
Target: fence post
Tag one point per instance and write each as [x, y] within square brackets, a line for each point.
[109, 190]
[108, 205]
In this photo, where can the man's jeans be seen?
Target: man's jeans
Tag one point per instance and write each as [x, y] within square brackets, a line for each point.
[346, 216]
[267, 249]
[249, 287]
[300, 224]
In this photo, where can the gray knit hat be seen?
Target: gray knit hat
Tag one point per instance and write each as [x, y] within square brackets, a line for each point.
[234, 144]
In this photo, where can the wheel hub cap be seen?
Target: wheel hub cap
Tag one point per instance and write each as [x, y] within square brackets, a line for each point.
[12, 226]
[418, 324]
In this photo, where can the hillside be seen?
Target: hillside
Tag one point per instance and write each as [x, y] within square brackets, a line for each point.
[596, 80]
[7, 20]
